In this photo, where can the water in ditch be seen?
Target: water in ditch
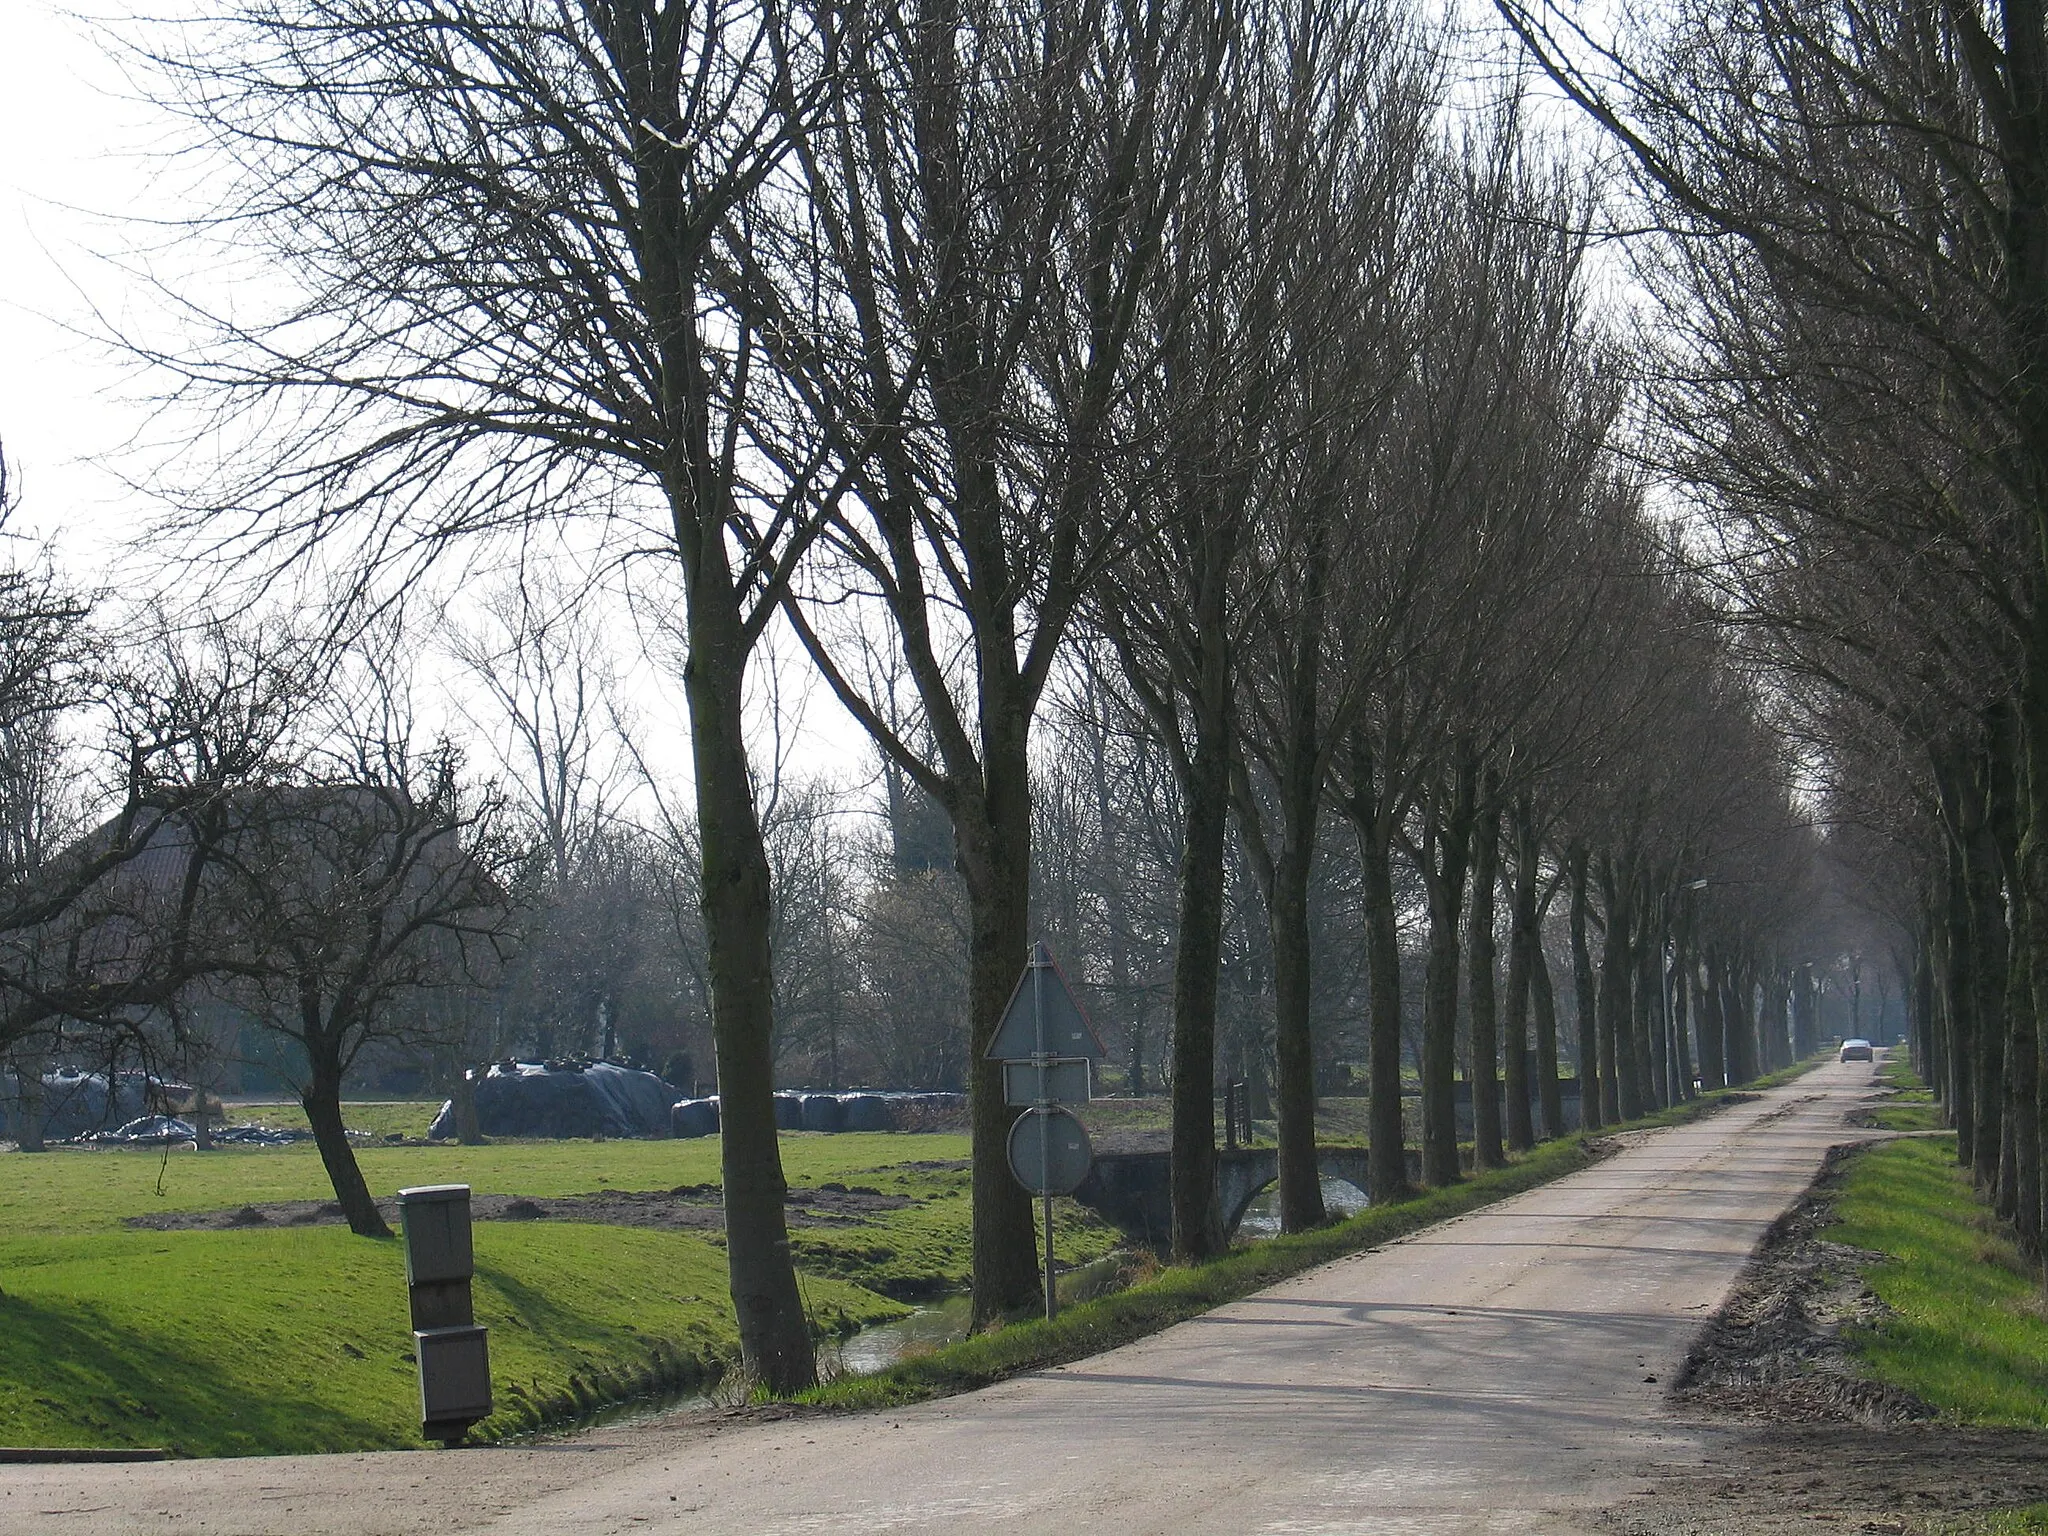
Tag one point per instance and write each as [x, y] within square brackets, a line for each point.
[871, 1349]
[1262, 1217]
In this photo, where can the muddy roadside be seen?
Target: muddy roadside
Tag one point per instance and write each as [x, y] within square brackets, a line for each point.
[1806, 1440]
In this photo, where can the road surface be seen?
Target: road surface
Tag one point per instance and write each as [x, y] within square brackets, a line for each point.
[1504, 1372]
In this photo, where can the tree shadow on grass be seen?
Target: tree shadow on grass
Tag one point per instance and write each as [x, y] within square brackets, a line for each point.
[71, 1377]
[548, 1318]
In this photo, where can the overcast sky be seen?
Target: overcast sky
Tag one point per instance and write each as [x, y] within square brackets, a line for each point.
[73, 157]
[66, 158]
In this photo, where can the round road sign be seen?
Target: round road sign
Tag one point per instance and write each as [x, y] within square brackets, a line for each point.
[1049, 1152]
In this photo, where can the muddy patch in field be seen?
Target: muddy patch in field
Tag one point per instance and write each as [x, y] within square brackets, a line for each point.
[688, 1207]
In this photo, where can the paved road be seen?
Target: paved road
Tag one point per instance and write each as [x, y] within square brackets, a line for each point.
[1504, 1372]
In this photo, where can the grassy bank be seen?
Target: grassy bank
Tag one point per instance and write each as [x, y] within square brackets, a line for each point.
[1911, 1106]
[2032, 1521]
[1969, 1333]
[276, 1339]
[1174, 1294]
[237, 1343]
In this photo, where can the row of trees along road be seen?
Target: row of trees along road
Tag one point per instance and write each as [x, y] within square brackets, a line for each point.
[967, 342]
[1855, 306]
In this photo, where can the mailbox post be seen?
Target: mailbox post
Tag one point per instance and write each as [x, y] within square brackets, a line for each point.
[454, 1358]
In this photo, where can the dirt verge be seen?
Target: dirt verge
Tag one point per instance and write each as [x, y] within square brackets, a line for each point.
[1803, 1439]
[1909, 1480]
[1776, 1349]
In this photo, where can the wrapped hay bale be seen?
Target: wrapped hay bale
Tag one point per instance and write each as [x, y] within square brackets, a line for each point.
[693, 1117]
[563, 1100]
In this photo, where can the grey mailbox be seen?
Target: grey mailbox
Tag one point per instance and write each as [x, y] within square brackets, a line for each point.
[454, 1358]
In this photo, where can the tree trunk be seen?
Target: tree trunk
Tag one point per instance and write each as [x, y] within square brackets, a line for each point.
[775, 1338]
[1958, 1082]
[1446, 839]
[1681, 1015]
[1805, 1026]
[1486, 1117]
[1732, 1025]
[1371, 818]
[1920, 1009]
[1738, 1015]
[1521, 939]
[1652, 1074]
[2019, 1199]
[1777, 1028]
[1617, 1087]
[468, 1130]
[2016, 99]
[2031, 936]
[321, 1097]
[1114, 892]
[1197, 963]
[1584, 997]
[1549, 1093]
[993, 831]
[1990, 945]
[1713, 1023]
[733, 894]
[28, 1126]
[1301, 1190]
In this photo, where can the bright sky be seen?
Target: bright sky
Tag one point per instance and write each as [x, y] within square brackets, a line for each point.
[66, 160]
[73, 158]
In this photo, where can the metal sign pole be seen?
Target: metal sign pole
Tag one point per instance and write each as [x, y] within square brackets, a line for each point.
[1047, 1048]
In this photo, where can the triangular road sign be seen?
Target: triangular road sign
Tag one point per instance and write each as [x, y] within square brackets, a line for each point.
[1044, 990]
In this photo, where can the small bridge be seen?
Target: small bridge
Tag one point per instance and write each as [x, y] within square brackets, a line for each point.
[1133, 1190]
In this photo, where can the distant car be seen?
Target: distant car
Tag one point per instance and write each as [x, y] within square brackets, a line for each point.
[1856, 1050]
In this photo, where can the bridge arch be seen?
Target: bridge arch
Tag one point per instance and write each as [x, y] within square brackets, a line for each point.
[1242, 1178]
[1132, 1190]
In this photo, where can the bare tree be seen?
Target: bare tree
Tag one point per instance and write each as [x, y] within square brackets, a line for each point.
[1282, 281]
[338, 899]
[534, 654]
[518, 238]
[984, 221]
[1873, 174]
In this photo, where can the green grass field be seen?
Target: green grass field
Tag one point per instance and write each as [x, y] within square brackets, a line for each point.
[296, 1339]
[375, 1117]
[279, 1339]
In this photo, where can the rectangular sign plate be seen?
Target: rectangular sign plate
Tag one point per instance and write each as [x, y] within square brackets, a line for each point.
[1065, 1082]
